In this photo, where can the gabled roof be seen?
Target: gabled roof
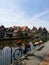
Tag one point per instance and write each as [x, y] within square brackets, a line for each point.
[34, 28]
[15, 31]
[7, 28]
[24, 28]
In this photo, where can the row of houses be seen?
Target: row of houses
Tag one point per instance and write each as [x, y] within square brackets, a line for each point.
[17, 31]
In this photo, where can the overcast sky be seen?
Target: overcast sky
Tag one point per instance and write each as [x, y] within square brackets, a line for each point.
[24, 13]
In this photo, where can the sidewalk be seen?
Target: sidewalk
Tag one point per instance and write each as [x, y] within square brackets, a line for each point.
[45, 60]
[39, 55]
[36, 56]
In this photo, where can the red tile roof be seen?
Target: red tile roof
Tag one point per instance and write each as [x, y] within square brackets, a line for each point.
[24, 28]
[15, 31]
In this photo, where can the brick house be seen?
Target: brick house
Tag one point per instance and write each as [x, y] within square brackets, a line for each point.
[9, 32]
[40, 30]
[34, 30]
[17, 31]
[26, 31]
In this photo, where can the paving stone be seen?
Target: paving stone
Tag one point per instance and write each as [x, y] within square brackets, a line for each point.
[44, 63]
[46, 59]
[47, 54]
